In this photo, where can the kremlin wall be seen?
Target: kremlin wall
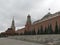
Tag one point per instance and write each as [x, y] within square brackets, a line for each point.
[44, 22]
[29, 26]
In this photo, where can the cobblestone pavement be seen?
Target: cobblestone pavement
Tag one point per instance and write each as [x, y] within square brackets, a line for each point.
[5, 41]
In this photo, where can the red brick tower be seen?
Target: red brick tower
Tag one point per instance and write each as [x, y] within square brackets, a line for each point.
[28, 23]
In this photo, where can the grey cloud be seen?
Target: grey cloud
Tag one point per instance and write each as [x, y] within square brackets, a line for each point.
[21, 8]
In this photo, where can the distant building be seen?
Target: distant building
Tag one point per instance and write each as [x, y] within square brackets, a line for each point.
[29, 26]
[11, 30]
[44, 22]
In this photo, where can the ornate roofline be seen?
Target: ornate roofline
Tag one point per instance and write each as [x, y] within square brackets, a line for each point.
[47, 18]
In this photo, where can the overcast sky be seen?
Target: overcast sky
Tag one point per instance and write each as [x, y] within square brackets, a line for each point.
[21, 8]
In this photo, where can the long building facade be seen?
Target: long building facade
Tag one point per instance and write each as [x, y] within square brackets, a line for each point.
[48, 19]
[44, 22]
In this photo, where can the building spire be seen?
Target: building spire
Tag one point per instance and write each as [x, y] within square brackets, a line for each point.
[28, 23]
[28, 20]
[13, 24]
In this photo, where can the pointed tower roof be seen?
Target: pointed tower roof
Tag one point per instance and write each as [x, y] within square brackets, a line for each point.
[28, 19]
[13, 23]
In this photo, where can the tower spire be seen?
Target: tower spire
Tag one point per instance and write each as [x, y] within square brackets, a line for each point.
[28, 20]
[13, 24]
[28, 23]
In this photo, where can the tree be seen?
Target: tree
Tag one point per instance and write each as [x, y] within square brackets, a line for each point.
[28, 32]
[50, 31]
[41, 30]
[33, 32]
[56, 28]
[25, 32]
[59, 30]
[38, 32]
[45, 31]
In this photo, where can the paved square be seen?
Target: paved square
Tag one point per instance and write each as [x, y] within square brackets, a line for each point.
[5, 41]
